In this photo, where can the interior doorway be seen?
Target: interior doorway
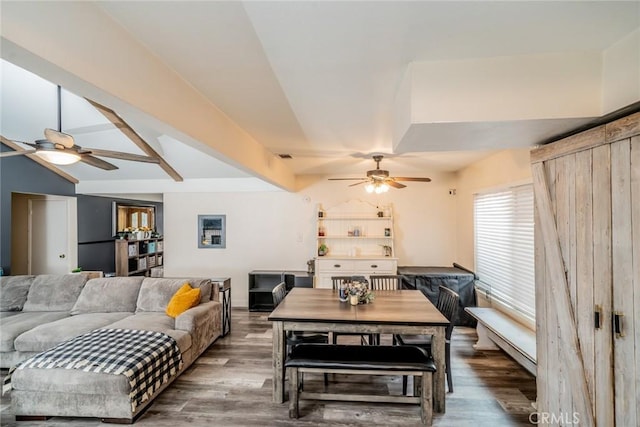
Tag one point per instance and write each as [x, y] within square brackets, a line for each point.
[44, 238]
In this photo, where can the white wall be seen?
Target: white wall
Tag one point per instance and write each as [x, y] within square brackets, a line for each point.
[621, 73]
[566, 85]
[264, 229]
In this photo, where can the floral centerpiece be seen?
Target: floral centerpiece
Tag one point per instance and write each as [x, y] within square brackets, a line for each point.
[359, 293]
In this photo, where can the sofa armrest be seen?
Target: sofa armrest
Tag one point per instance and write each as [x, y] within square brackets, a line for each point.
[215, 292]
[195, 317]
[203, 322]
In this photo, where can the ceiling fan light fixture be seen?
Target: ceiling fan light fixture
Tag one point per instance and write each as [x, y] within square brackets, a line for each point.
[381, 187]
[369, 187]
[58, 157]
[376, 187]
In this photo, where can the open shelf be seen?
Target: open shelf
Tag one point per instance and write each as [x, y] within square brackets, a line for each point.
[138, 257]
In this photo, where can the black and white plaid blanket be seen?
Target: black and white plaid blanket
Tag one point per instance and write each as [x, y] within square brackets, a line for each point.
[148, 359]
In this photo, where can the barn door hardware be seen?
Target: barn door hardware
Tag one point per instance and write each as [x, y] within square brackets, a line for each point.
[617, 324]
[598, 317]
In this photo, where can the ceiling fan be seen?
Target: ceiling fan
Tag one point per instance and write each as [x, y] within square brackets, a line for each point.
[379, 181]
[59, 148]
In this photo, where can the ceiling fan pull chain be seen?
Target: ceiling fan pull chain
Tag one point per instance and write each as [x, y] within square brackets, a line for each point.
[59, 108]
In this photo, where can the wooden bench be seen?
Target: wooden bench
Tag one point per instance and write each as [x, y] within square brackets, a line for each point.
[358, 359]
[495, 328]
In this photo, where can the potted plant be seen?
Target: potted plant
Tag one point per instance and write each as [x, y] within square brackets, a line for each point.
[322, 250]
[359, 293]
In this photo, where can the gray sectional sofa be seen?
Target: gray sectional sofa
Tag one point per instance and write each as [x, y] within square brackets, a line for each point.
[39, 312]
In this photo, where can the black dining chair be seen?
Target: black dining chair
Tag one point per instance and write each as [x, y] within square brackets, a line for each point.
[295, 337]
[448, 305]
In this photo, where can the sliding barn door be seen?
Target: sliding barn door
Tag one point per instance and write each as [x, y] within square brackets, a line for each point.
[625, 185]
[565, 292]
[587, 195]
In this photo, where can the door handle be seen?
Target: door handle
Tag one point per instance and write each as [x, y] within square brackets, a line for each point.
[598, 317]
[618, 325]
[62, 256]
[337, 265]
[374, 266]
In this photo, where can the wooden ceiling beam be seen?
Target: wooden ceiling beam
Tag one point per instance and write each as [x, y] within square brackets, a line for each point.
[136, 139]
[39, 160]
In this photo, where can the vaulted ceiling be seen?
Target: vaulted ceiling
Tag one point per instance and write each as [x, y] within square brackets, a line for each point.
[220, 88]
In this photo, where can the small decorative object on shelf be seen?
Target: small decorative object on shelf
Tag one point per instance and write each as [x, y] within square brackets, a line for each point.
[322, 250]
[137, 233]
[360, 293]
[386, 249]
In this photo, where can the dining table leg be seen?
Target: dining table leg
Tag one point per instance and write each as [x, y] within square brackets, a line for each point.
[278, 362]
[440, 375]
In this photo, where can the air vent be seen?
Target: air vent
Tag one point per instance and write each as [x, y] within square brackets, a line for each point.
[285, 156]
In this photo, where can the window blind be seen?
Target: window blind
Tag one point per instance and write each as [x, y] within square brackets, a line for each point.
[504, 247]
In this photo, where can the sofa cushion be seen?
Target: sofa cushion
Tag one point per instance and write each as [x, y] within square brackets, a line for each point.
[108, 295]
[185, 298]
[159, 322]
[54, 292]
[155, 293]
[13, 292]
[49, 335]
[14, 326]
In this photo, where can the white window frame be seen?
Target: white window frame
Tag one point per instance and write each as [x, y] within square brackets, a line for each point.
[504, 249]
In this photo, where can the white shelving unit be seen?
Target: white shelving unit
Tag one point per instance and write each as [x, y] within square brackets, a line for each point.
[359, 237]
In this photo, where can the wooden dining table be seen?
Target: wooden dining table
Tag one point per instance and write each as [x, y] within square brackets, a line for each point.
[392, 312]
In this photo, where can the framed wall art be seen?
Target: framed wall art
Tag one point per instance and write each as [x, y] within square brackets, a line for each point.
[212, 231]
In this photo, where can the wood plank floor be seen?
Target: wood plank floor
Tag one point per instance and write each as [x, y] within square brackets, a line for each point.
[230, 385]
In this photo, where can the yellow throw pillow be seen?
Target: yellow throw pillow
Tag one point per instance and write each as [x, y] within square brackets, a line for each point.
[185, 288]
[185, 298]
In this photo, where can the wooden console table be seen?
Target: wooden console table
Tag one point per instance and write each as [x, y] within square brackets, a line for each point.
[224, 286]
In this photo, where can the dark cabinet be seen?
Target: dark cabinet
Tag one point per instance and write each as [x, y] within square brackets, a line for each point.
[262, 282]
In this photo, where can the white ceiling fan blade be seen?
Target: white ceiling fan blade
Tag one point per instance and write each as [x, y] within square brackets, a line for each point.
[122, 156]
[395, 184]
[408, 178]
[16, 153]
[57, 137]
[99, 163]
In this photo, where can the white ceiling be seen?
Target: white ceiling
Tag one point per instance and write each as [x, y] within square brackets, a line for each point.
[318, 79]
